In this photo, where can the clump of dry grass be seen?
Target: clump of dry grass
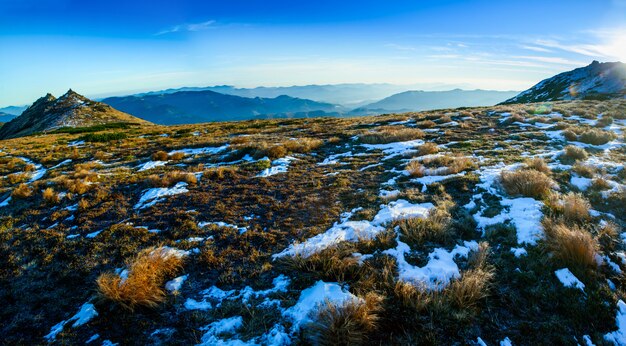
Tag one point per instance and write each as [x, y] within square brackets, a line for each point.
[570, 245]
[474, 284]
[529, 183]
[391, 134]
[160, 156]
[176, 156]
[573, 153]
[538, 164]
[426, 124]
[276, 152]
[348, 324]
[513, 118]
[415, 169]
[584, 170]
[608, 236]
[435, 227]
[448, 164]
[427, 149]
[17, 178]
[22, 191]
[600, 184]
[604, 121]
[303, 145]
[570, 135]
[575, 208]
[50, 196]
[145, 279]
[596, 136]
[171, 178]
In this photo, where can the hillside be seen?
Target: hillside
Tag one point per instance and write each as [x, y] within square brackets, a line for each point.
[597, 81]
[187, 107]
[70, 110]
[492, 225]
[412, 101]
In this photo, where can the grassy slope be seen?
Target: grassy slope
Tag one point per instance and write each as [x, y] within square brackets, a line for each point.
[527, 305]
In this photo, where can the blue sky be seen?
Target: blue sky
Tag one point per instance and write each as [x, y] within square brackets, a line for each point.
[101, 48]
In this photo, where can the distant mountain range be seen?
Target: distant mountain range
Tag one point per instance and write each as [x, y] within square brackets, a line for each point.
[184, 107]
[227, 103]
[10, 112]
[426, 100]
[349, 95]
[70, 110]
[595, 81]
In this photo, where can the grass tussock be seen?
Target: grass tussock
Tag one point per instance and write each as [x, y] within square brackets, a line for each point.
[416, 169]
[348, 324]
[575, 208]
[571, 246]
[50, 196]
[573, 154]
[529, 183]
[391, 134]
[22, 191]
[143, 285]
[428, 148]
[538, 164]
[596, 136]
[435, 228]
[584, 170]
[171, 178]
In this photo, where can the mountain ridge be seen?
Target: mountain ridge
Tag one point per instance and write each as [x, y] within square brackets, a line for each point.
[594, 81]
[185, 107]
[69, 110]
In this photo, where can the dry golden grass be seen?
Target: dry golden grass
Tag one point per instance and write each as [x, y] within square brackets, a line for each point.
[303, 145]
[348, 324]
[160, 156]
[427, 149]
[584, 170]
[144, 283]
[575, 208]
[473, 286]
[608, 236]
[177, 156]
[570, 245]
[17, 178]
[391, 134]
[22, 191]
[596, 136]
[171, 178]
[276, 152]
[529, 183]
[604, 121]
[538, 164]
[574, 153]
[415, 169]
[570, 135]
[50, 196]
[435, 227]
[448, 164]
[600, 184]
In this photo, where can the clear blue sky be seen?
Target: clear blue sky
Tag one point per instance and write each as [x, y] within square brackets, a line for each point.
[117, 47]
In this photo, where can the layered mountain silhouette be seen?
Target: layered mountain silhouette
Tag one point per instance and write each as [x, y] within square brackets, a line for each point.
[70, 110]
[597, 81]
[185, 107]
[426, 100]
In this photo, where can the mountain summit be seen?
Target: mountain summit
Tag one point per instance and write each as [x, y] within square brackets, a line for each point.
[595, 81]
[70, 110]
